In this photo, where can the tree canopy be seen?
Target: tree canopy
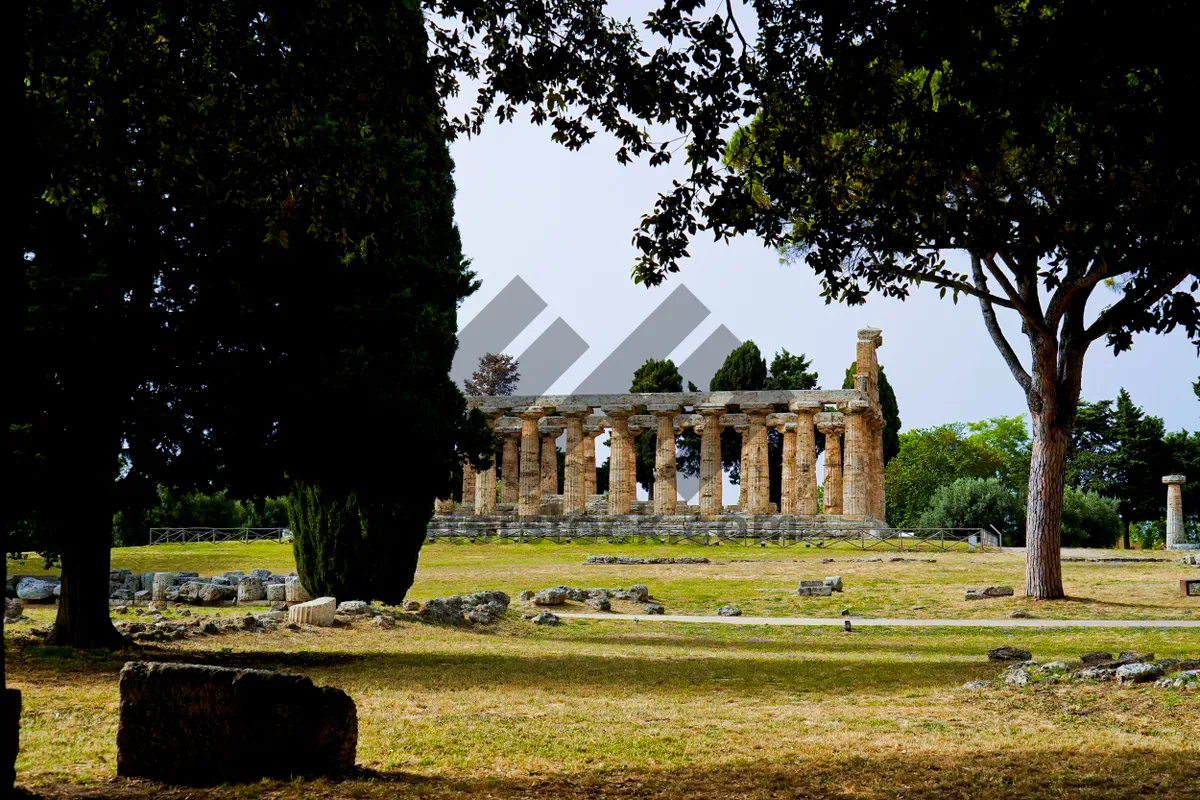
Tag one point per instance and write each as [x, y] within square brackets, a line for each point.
[497, 374]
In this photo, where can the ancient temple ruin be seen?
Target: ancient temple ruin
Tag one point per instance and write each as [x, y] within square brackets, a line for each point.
[850, 419]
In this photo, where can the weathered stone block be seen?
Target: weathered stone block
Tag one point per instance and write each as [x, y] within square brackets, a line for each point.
[199, 725]
[251, 590]
[295, 592]
[815, 591]
[1138, 673]
[834, 582]
[14, 607]
[1008, 654]
[989, 591]
[35, 590]
[728, 610]
[261, 574]
[159, 585]
[213, 593]
[319, 612]
[276, 592]
[551, 597]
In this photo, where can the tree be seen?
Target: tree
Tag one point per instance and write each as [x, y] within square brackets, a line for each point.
[891, 410]
[1042, 139]
[974, 503]
[790, 372]
[150, 300]
[497, 375]
[930, 458]
[1120, 452]
[1089, 520]
[653, 376]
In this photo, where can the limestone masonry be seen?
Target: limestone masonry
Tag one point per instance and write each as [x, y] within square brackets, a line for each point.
[850, 419]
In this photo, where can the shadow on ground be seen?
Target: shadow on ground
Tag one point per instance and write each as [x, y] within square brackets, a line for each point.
[978, 774]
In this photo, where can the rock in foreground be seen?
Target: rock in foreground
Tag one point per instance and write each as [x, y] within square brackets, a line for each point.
[1008, 654]
[201, 725]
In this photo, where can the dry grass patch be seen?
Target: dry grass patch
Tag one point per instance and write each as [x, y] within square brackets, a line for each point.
[592, 709]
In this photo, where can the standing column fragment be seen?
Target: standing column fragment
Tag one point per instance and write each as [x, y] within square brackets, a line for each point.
[1176, 535]
[468, 486]
[710, 461]
[485, 483]
[756, 476]
[665, 490]
[511, 466]
[530, 489]
[788, 489]
[589, 460]
[574, 493]
[549, 451]
[620, 462]
[806, 456]
[833, 462]
[856, 457]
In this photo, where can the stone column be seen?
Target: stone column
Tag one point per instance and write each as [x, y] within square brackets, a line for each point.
[806, 456]
[878, 506]
[665, 490]
[510, 480]
[743, 461]
[856, 457]
[485, 484]
[589, 460]
[1176, 536]
[468, 487]
[530, 485]
[758, 477]
[549, 462]
[788, 490]
[621, 461]
[574, 492]
[832, 428]
[710, 460]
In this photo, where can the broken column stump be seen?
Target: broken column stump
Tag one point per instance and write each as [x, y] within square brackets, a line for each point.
[199, 725]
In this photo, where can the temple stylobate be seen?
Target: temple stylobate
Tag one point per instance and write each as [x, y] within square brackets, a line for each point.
[850, 420]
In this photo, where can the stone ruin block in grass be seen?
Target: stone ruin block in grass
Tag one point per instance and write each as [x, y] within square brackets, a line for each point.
[988, 592]
[199, 725]
[814, 588]
[319, 612]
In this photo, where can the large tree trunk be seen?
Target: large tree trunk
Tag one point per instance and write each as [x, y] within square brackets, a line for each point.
[83, 619]
[1043, 533]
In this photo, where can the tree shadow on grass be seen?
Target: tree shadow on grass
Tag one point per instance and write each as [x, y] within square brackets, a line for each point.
[863, 772]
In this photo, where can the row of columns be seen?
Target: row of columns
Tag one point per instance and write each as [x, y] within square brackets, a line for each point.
[852, 477]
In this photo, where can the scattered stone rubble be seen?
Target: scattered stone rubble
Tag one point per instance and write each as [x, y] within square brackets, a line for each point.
[129, 588]
[480, 608]
[1128, 668]
[638, 561]
[878, 560]
[989, 592]
[729, 610]
[822, 588]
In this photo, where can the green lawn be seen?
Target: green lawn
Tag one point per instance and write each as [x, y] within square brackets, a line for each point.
[758, 580]
[599, 709]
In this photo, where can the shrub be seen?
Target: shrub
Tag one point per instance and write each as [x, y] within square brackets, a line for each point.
[1089, 520]
[975, 503]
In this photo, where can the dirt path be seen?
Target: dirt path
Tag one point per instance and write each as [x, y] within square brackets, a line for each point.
[903, 623]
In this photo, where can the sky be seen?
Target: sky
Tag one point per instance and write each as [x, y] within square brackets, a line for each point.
[563, 222]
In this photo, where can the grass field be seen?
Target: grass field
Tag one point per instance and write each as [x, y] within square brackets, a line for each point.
[760, 581]
[598, 709]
